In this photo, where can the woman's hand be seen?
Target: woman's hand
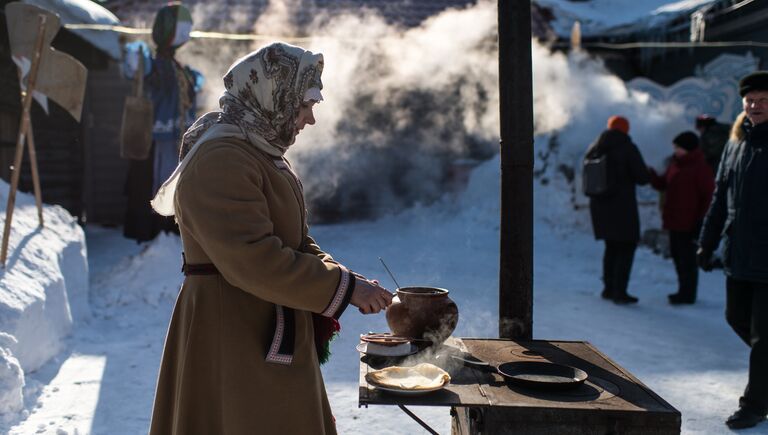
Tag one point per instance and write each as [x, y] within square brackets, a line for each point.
[369, 296]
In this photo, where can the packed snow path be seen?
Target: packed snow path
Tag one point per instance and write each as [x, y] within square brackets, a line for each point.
[104, 383]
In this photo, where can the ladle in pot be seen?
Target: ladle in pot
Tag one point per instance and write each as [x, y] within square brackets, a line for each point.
[389, 272]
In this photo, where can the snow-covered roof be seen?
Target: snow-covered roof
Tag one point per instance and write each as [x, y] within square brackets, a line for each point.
[606, 17]
[86, 12]
[408, 13]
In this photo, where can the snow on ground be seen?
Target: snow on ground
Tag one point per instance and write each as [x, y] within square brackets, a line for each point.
[598, 16]
[103, 383]
[101, 379]
[43, 289]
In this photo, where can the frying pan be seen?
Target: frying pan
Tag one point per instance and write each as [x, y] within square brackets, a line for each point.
[541, 375]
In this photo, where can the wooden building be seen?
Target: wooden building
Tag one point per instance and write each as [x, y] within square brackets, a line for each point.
[79, 163]
[736, 21]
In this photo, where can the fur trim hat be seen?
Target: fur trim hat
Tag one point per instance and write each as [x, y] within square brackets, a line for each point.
[757, 81]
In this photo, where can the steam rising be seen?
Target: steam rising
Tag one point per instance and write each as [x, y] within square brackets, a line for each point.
[403, 106]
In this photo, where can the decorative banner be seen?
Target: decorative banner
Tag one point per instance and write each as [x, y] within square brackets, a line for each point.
[61, 77]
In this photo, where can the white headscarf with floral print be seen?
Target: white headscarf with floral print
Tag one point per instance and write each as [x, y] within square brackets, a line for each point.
[263, 92]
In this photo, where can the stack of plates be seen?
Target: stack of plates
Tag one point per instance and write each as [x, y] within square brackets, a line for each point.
[385, 344]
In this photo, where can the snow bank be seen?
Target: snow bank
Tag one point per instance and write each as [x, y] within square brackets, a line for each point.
[43, 291]
[151, 276]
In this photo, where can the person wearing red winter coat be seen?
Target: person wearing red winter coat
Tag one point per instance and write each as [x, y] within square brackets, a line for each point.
[688, 183]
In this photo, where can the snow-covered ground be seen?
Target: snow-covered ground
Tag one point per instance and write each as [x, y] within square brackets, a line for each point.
[101, 379]
[103, 383]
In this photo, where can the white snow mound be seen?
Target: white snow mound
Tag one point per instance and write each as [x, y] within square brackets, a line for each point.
[43, 290]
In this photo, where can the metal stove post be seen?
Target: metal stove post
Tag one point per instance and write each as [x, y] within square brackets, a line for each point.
[516, 110]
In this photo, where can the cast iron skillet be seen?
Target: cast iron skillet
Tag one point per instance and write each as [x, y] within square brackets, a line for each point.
[541, 375]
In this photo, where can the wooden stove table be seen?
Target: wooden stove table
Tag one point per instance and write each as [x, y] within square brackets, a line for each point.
[611, 401]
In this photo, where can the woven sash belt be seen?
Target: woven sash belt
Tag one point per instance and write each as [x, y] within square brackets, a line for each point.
[198, 269]
[280, 349]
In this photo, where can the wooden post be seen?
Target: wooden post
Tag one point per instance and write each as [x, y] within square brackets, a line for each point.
[516, 229]
[25, 126]
[35, 173]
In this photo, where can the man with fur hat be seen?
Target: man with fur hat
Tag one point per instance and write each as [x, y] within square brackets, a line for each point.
[739, 213]
[615, 218]
[688, 183]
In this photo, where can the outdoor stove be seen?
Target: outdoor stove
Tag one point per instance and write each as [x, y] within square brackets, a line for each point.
[611, 401]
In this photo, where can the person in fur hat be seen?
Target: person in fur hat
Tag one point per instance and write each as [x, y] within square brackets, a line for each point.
[739, 215]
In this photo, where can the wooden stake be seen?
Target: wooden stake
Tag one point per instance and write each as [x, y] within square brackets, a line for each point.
[24, 127]
[35, 173]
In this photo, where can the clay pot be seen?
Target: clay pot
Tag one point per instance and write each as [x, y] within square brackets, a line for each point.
[423, 312]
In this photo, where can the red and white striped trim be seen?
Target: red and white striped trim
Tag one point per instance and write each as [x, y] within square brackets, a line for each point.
[341, 291]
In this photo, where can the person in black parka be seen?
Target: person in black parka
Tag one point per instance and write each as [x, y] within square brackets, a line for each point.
[614, 214]
[739, 214]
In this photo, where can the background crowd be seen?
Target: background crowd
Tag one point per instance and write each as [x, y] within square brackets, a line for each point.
[698, 209]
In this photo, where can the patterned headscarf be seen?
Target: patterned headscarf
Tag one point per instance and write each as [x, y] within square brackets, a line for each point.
[263, 92]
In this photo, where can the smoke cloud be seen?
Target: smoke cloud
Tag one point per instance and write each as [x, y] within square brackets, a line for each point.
[407, 108]
[402, 107]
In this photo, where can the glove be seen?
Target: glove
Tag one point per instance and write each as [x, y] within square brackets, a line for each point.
[704, 259]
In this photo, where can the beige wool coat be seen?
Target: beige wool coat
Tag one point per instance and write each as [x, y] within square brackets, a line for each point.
[234, 362]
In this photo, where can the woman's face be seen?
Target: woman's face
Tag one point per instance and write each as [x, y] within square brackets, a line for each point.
[305, 116]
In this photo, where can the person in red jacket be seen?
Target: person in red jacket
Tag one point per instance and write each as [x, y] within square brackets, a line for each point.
[688, 183]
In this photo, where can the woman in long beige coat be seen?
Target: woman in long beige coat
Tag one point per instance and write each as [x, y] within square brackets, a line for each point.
[260, 298]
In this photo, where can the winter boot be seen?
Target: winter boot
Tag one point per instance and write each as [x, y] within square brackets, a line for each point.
[743, 418]
[678, 299]
[625, 299]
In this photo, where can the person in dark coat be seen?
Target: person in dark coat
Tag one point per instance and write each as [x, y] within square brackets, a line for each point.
[713, 136]
[688, 183]
[614, 214]
[739, 214]
[172, 89]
